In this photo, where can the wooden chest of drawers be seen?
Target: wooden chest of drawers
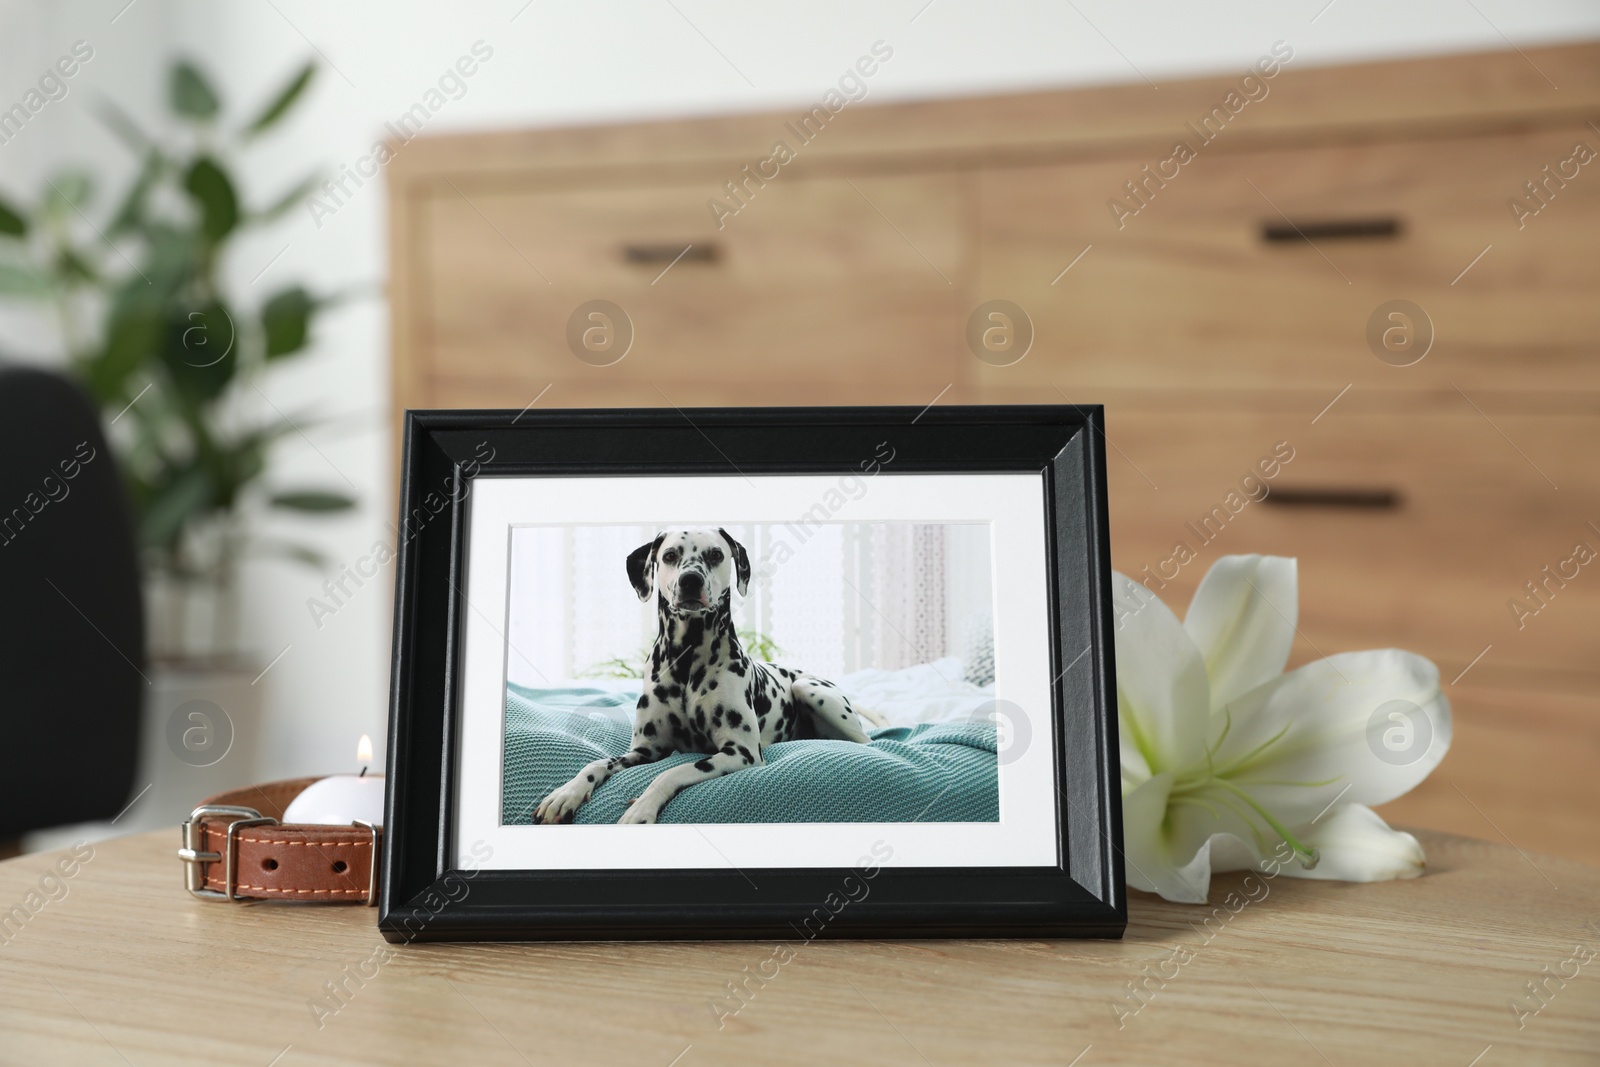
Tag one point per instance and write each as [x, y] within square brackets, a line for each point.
[1244, 304]
[1213, 286]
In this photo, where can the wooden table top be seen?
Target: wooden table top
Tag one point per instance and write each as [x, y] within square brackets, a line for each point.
[118, 965]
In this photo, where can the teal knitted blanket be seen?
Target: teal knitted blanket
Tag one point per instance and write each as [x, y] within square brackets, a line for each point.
[931, 772]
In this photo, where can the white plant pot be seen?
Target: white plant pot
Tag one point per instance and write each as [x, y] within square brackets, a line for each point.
[189, 621]
[200, 735]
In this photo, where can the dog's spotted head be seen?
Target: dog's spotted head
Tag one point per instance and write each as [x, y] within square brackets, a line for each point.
[694, 569]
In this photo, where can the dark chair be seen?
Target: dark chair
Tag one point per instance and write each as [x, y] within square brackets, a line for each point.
[72, 656]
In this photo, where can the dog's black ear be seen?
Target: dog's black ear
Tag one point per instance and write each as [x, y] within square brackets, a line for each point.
[642, 567]
[741, 561]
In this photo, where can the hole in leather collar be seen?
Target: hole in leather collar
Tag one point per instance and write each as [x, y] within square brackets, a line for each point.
[269, 864]
[339, 867]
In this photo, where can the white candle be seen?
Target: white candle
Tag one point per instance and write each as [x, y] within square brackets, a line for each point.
[341, 799]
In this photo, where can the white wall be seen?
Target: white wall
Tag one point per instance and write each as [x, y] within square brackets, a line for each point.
[574, 62]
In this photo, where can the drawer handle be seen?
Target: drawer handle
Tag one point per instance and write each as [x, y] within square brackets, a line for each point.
[1331, 230]
[1351, 499]
[682, 252]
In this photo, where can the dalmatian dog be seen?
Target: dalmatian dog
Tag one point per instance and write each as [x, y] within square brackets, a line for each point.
[704, 693]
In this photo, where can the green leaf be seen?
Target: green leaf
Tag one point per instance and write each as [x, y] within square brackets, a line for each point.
[179, 500]
[318, 500]
[133, 331]
[131, 213]
[283, 101]
[209, 184]
[23, 280]
[615, 667]
[289, 550]
[287, 320]
[69, 190]
[360, 291]
[237, 465]
[12, 224]
[288, 200]
[71, 265]
[173, 262]
[147, 455]
[122, 124]
[199, 350]
[760, 645]
[190, 94]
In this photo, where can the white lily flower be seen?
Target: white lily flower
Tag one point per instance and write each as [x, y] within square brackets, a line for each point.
[1226, 759]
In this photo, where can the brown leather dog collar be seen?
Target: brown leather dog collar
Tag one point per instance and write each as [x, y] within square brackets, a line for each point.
[236, 847]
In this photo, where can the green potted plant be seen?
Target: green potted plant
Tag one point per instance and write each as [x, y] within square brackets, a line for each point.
[172, 357]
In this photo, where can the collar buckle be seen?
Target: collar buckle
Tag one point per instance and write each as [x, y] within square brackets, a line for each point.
[196, 860]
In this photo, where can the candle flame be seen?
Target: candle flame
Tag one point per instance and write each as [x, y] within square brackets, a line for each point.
[364, 750]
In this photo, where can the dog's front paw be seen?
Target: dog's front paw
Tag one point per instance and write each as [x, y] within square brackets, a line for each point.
[643, 810]
[561, 805]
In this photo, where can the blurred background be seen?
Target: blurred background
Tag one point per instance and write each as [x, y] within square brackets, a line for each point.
[829, 598]
[1346, 243]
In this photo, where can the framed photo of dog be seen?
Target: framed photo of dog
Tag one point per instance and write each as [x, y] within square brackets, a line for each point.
[753, 673]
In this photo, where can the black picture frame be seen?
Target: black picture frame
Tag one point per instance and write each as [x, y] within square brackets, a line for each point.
[424, 899]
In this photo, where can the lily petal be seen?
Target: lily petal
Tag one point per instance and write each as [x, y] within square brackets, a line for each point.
[1356, 845]
[1360, 727]
[1134, 769]
[1149, 857]
[1163, 699]
[1172, 847]
[1242, 618]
